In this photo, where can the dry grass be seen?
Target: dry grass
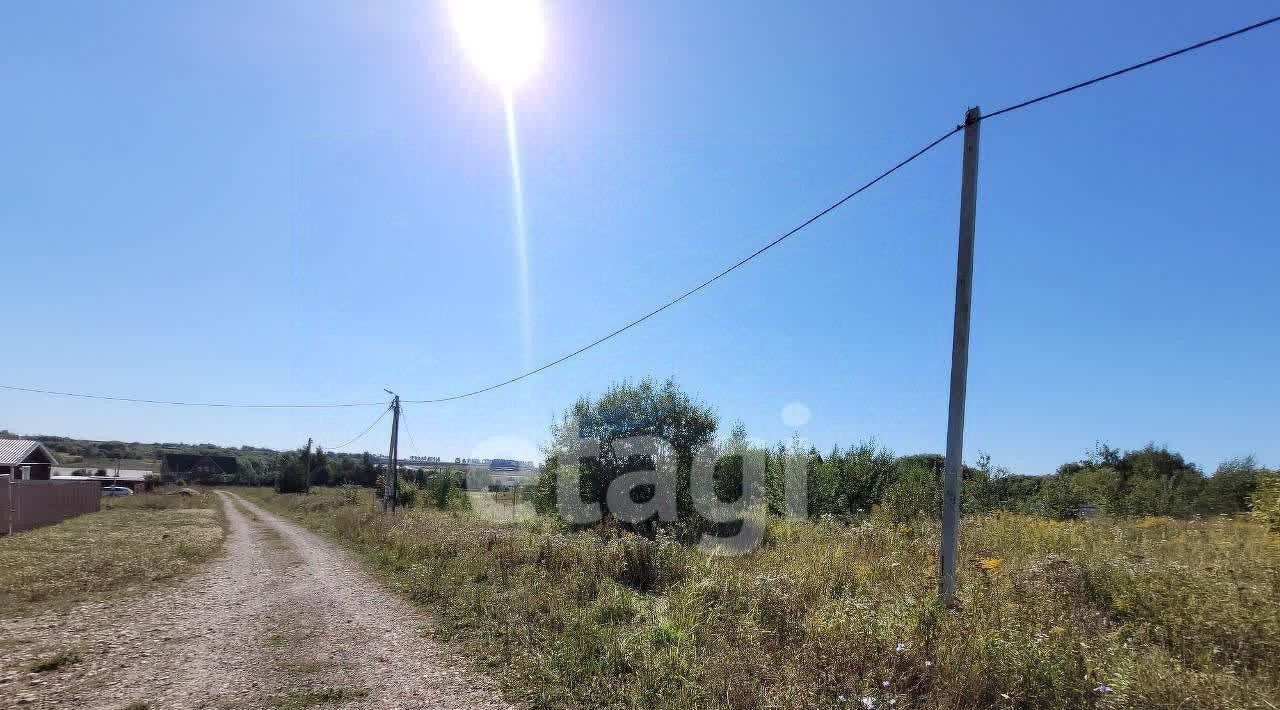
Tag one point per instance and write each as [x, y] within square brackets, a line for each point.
[134, 539]
[1101, 614]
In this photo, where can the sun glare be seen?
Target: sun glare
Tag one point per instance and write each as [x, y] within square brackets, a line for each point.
[504, 38]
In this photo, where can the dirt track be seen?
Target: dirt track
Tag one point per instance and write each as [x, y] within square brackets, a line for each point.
[281, 619]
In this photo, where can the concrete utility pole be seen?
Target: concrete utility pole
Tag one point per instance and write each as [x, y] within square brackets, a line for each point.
[391, 484]
[959, 361]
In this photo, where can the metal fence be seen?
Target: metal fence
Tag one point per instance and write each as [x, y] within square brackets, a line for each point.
[6, 505]
[30, 504]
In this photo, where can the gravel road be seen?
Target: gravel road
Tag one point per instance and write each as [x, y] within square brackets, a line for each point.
[283, 619]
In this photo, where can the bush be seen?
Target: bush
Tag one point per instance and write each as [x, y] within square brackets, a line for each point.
[442, 491]
[1078, 614]
[406, 495]
[1264, 504]
[916, 494]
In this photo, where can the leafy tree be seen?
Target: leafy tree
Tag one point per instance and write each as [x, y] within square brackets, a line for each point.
[1264, 502]
[1148, 481]
[320, 468]
[1229, 488]
[1099, 485]
[443, 491]
[917, 492]
[366, 474]
[866, 473]
[1055, 499]
[290, 473]
[625, 410]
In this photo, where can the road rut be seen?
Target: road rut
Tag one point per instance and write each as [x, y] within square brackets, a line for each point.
[282, 619]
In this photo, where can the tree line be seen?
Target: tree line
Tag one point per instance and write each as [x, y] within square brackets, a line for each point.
[866, 477]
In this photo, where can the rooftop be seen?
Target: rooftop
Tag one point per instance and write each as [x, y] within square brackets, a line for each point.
[16, 451]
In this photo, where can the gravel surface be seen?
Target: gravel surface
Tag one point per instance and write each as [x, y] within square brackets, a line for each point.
[283, 619]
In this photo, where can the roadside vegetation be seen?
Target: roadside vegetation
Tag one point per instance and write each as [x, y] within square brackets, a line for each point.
[56, 661]
[1171, 598]
[132, 540]
[1144, 612]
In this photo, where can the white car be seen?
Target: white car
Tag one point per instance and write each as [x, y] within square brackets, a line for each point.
[110, 491]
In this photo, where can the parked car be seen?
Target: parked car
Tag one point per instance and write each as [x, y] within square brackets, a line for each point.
[116, 491]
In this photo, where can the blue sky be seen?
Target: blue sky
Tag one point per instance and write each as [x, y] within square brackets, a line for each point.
[310, 201]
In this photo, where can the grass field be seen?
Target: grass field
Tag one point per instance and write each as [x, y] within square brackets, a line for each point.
[1117, 614]
[132, 540]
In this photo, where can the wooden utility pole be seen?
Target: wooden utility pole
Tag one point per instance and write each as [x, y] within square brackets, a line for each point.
[954, 467]
[391, 483]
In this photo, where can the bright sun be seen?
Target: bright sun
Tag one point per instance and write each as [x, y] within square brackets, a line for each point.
[505, 38]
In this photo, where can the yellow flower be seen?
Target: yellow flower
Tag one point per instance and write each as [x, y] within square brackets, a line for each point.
[990, 564]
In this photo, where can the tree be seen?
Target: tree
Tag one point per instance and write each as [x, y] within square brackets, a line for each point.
[365, 474]
[344, 470]
[917, 492]
[1229, 488]
[868, 472]
[290, 473]
[1264, 503]
[626, 410]
[1148, 481]
[1055, 499]
[320, 468]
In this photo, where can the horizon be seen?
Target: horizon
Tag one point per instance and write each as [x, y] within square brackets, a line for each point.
[1207, 470]
[274, 203]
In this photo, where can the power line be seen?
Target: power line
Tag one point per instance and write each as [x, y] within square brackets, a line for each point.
[708, 282]
[409, 434]
[1131, 67]
[360, 436]
[234, 405]
[741, 262]
[846, 198]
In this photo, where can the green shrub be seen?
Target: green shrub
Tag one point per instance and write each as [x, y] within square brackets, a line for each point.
[1076, 614]
[1264, 503]
[916, 494]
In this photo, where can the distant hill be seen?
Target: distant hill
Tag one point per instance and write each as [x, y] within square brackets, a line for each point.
[90, 452]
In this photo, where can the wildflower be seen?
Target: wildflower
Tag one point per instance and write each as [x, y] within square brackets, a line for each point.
[884, 684]
[1104, 688]
[901, 647]
[869, 702]
[990, 564]
[842, 698]
[928, 664]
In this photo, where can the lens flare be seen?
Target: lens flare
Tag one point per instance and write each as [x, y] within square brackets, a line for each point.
[504, 38]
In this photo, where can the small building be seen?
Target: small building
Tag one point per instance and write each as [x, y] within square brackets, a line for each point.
[26, 460]
[204, 468]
